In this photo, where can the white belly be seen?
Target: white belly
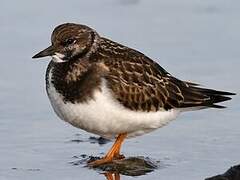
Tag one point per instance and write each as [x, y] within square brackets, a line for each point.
[106, 117]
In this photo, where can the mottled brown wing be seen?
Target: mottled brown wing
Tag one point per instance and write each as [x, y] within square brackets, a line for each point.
[141, 84]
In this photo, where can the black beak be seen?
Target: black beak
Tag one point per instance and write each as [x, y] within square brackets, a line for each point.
[46, 52]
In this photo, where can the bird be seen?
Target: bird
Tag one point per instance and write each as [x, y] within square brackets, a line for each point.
[114, 91]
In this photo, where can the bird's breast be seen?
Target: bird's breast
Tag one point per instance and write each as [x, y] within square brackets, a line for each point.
[104, 115]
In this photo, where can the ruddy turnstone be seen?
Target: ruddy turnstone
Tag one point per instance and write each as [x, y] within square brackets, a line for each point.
[108, 89]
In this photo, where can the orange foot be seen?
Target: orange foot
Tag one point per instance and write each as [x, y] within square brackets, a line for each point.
[113, 154]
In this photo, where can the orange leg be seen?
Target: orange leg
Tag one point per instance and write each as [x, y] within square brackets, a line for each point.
[113, 153]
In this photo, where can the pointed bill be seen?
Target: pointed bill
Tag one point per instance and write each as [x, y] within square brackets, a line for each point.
[46, 52]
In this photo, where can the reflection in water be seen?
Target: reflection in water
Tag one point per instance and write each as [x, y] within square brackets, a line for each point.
[131, 166]
[112, 176]
[92, 140]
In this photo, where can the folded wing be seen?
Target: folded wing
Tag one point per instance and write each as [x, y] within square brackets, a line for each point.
[141, 84]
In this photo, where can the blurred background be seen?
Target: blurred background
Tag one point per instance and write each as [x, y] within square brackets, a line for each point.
[193, 39]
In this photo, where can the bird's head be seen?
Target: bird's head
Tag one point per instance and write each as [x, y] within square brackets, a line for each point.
[69, 41]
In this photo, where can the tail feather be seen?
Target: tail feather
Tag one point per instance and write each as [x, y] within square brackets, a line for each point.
[212, 91]
[196, 96]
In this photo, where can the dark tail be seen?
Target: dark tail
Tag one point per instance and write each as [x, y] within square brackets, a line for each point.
[196, 96]
[214, 97]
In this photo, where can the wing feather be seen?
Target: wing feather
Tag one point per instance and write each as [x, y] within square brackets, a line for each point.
[141, 84]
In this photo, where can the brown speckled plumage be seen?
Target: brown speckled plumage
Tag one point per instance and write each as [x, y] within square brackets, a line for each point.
[114, 91]
[135, 80]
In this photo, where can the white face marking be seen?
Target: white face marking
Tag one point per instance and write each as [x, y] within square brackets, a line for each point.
[58, 58]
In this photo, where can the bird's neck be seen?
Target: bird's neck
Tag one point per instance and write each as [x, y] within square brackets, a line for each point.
[73, 81]
[94, 44]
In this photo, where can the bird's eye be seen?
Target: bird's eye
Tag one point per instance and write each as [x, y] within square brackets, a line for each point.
[70, 41]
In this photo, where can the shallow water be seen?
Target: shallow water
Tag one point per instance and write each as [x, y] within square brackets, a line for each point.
[194, 40]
